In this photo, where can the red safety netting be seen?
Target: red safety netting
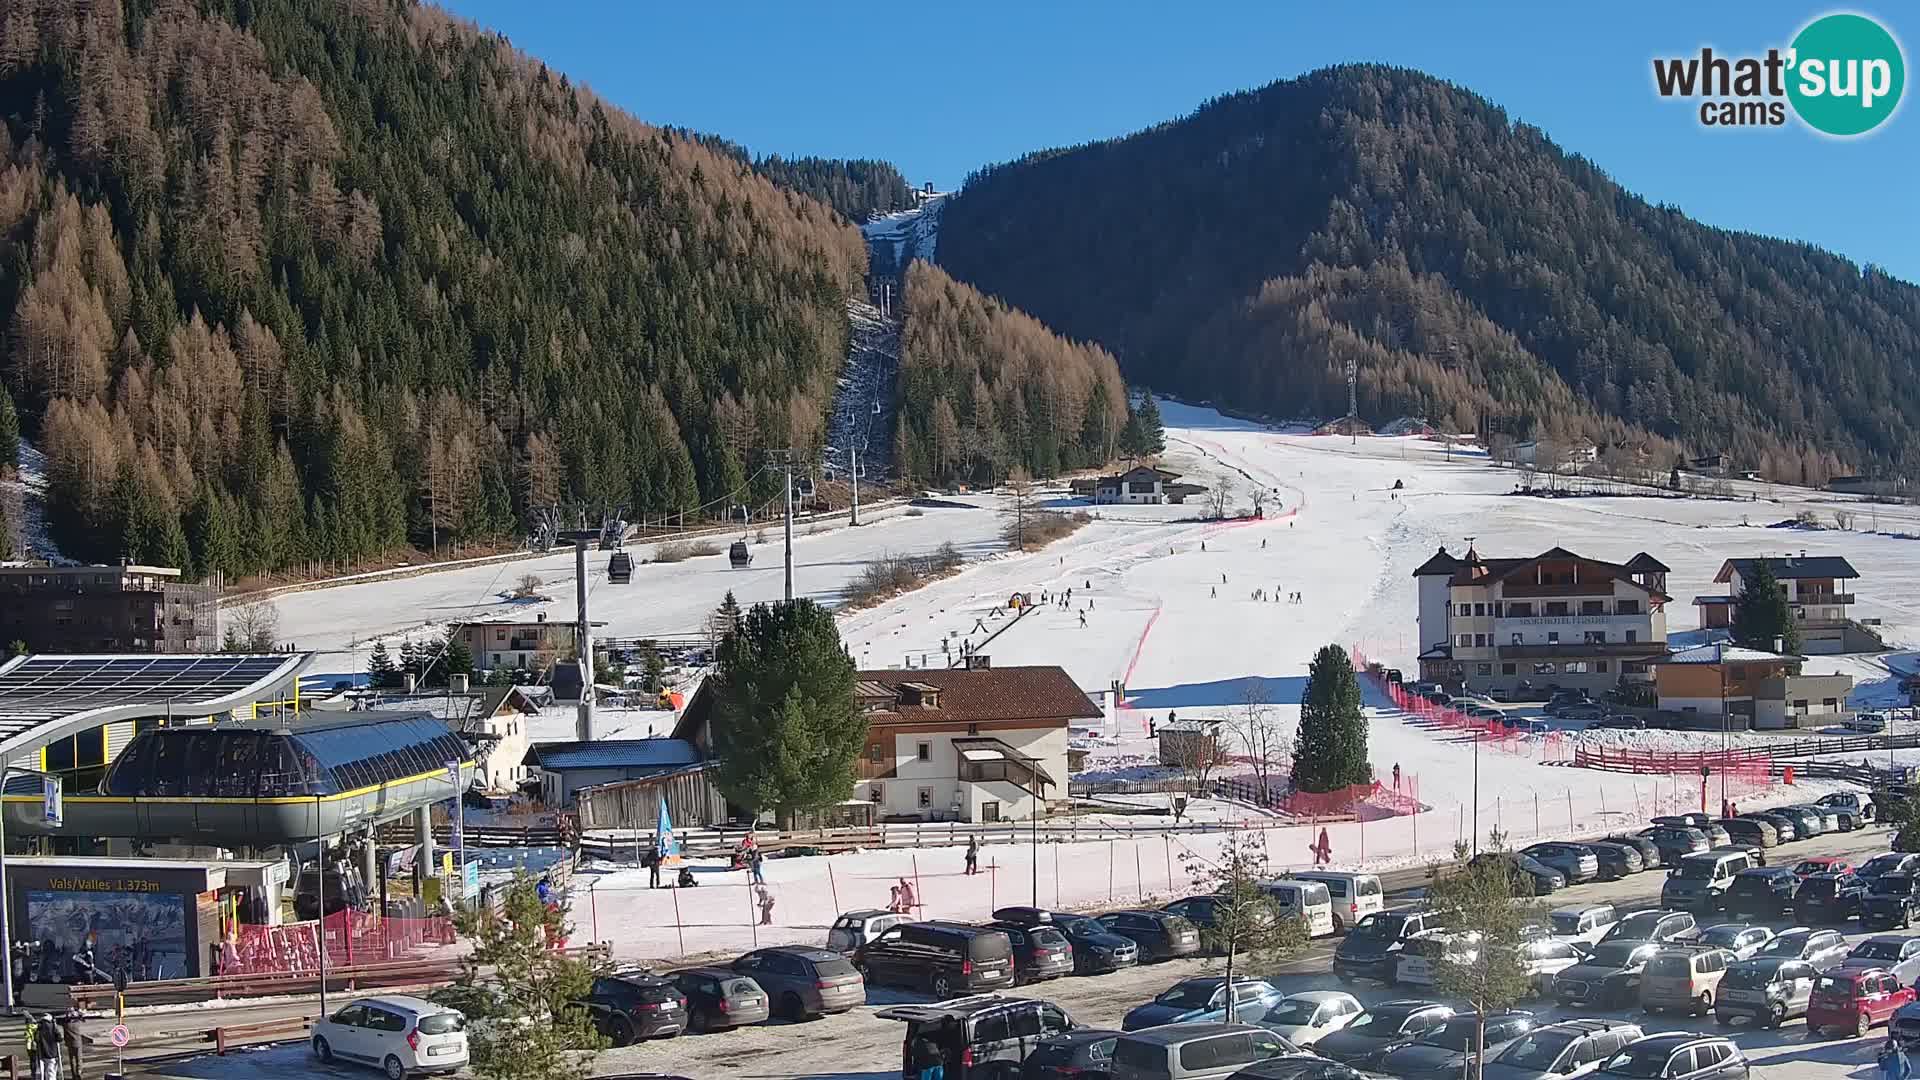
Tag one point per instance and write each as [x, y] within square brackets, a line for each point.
[352, 938]
[1496, 736]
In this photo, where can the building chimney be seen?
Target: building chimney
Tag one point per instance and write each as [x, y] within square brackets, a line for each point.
[1779, 646]
[540, 616]
[457, 683]
[979, 662]
[411, 682]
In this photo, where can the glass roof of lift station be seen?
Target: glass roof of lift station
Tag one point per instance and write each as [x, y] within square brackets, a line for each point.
[246, 761]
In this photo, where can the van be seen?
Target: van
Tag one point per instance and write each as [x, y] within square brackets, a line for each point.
[1700, 881]
[1683, 979]
[1587, 924]
[1193, 1051]
[1310, 901]
[977, 1032]
[943, 958]
[1354, 896]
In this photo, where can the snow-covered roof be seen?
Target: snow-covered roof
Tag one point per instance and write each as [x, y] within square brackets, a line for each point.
[1722, 653]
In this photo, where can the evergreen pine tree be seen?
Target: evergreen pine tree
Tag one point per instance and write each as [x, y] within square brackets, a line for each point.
[1131, 439]
[456, 658]
[1330, 751]
[1763, 612]
[409, 660]
[174, 550]
[380, 669]
[1151, 434]
[6, 533]
[786, 732]
[9, 431]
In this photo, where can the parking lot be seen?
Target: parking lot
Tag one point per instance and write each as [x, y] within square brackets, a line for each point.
[860, 1046]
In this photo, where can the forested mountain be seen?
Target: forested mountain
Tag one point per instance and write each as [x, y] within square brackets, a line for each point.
[857, 188]
[984, 389]
[300, 280]
[1479, 274]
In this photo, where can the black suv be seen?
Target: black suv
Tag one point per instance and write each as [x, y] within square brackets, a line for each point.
[1763, 893]
[1892, 900]
[1829, 898]
[1095, 948]
[1161, 935]
[1609, 976]
[634, 1006]
[942, 957]
[979, 1037]
[1371, 950]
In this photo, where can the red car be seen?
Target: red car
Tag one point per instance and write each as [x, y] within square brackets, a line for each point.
[1855, 999]
[1821, 864]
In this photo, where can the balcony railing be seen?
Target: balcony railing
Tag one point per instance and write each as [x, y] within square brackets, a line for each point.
[1582, 648]
[1838, 598]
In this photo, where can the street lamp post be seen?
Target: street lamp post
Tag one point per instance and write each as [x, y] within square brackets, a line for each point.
[1476, 790]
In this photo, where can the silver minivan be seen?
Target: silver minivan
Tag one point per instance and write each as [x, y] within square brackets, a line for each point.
[1194, 1051]
[1354, 896]
[1768, 990]
[1307, 900]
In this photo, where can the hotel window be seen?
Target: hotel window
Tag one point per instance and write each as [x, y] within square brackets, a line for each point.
[873, 753]
[1557, 607]
[1596, 637]
[1518, 638]
[1479, 641]
[879, 793]
[1633, 636]
[1479, 610]
[1593, 607]
[1628, 607]
[1832, 704]
[1465, 610]
[1600, 667]
[500, 634]
[1553, 637]
[1484, 669]
[1507, 669]
[1545, 668]
[1465, 640]
[1519, 611]
[1574, 667]
[924, 751]
[926, 798]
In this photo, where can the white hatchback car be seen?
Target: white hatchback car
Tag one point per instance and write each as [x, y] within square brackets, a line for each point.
[401, 1036]
[1303, 1018]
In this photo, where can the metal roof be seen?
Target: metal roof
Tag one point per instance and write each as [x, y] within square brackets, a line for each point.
[1720, 652]
[1792, 566]
[48, 697]
[614, 754]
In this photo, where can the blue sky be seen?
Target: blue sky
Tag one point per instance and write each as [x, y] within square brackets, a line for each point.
[940, 89]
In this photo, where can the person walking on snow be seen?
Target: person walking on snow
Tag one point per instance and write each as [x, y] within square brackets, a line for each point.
[756, 867]
[1323, 851]
[46, 1040]
[908, 901]
[1893, 1061]
[1396, 776]
[765, 899]
[1083, 620]
[973, 855]
[1213, 591]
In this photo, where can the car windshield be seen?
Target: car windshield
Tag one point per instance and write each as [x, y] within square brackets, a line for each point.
[1457, 1034]
[1384, 925]
[1818, 888]
[1615, 953]
[1565, 922]
[1188, 995]
[1640, 1061]
[1812, 867]
[1877, 950]
[1752, 883]
[1536, 1050]
[1378, 1025]
[1891, 885]
[1669, 964]
[1695, 870]
[1722, 935]
[1046, 937]
[1636, 926]
[1078, 924]
[1293, 1011]
[1883, 864]
[1752, 975]
[1788, 944]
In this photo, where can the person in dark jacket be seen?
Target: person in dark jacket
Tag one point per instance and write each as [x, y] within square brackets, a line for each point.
[46, 1045]
[927, 1063]
[70, 1035]
[973, 855]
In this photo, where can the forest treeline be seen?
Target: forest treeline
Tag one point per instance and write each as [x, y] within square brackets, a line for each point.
[1480, 275]
[295, 281]
[985, 389]
[855, 187]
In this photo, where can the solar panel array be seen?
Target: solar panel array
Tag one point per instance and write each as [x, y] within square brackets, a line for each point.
[44, 688]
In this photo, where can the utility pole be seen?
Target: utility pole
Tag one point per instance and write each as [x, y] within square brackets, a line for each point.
[1353, 399]
[783, 460]
[853, 454]
[583, 724]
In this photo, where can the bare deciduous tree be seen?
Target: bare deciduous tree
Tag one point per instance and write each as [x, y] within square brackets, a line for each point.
[1257, 732]
[252, 627]
[527, 587]
[1195, 749]
[1220, 499]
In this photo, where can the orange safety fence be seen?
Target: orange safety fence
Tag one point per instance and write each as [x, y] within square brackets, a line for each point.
[352, 938]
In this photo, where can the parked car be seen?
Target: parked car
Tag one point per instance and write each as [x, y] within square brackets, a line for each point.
[1767, 990]
[1581, 711]
[1756, 855]
[1524, 871]
[1585, 923]
[631, 1006]
[1856, 999]
[1678, 1055]
[1301, 1066]
[1039, 952]
[1749, 831]
[1095, 948]
[1354, 896]
[1905, 1025]
[1542, 958]
[1080, 1054]
[1683, 978]
[1649, 851]
[1892, 900]
[1309, 901]
[802, 982]
[1658, 926]
[1829, 898]
[1574, 861]
[939, 957]
[1784, 828]
[1203, 912]
[1383, 1028]
[1867, 723]
[1440, 1053]
[1204, 998]
[1762, 892]
[1561, 699]
[1304, 1019]
[989, 1034]
[1616, 860]
[1194, 1051]
[1898, 954]
[1608, 977]
[1821, 864]
[1740, 940]
[855, 928]
[720, 998]
[1806, 823]
[1890, 863]
[401, 1036]
[1487, 714]
[1861, 804]
[1620, 722]
[1420, 956]
[1557, 1051]
[1716, 835]
[1161, 935]
[1371, 949]
[1821, 948]
[1676, 843]
[1700, 882]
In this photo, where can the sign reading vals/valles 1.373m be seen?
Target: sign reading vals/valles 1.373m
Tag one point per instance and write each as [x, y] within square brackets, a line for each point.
[1842, 75]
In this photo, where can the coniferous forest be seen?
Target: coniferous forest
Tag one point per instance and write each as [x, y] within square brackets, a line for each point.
[1479, 275]
[296, 280]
